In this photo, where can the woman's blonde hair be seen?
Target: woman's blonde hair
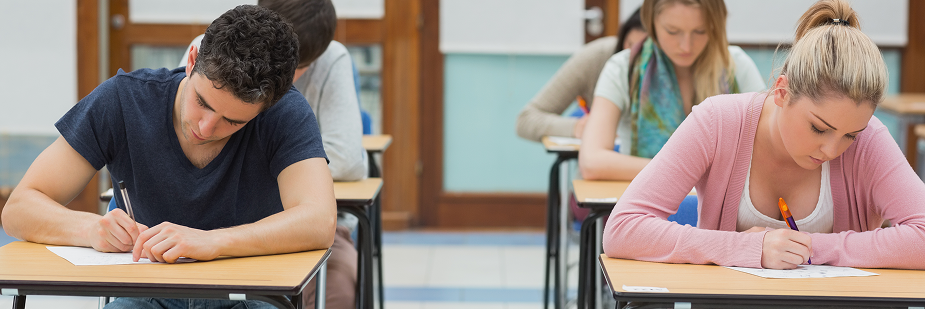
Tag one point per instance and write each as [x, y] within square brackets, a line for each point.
[714, 62]
[830, 55]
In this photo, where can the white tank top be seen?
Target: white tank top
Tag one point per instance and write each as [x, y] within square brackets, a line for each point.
[820, 221]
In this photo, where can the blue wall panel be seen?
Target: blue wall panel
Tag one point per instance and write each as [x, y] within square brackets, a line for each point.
[482, 96]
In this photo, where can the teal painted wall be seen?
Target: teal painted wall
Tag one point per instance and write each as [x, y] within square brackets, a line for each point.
[482, 96]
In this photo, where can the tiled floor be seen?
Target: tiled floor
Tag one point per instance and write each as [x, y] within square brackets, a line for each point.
[433, 270]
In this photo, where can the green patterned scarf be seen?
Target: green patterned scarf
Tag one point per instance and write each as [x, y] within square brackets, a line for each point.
[656, 108]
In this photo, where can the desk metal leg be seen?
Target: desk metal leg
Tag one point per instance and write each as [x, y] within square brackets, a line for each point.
[552, 226]
[321, 286]
[376, 220]
[562, 264]
[19, 302]
[364, 257]
[586, 259]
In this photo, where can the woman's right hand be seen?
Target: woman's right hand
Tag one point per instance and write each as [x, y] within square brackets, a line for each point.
[785, 249]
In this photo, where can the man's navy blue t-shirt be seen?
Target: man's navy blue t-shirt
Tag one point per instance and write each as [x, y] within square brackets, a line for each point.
[127, 124]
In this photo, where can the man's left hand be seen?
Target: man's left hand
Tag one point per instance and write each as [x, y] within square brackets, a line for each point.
[167, 242]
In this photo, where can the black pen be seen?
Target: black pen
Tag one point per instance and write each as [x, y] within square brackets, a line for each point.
[128, 204]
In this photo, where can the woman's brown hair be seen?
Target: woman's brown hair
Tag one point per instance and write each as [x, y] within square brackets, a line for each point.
[714, 62]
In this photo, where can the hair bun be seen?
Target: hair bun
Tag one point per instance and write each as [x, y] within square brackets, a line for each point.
[827, 12]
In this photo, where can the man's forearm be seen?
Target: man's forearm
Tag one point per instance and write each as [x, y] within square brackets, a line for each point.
[296, 229]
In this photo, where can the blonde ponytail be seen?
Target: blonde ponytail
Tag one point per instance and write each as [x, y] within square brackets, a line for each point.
[830, 55]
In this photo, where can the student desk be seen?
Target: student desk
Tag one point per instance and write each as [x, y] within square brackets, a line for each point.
[31, 269]
[356, 198]
[592, 194]
[709, 284]
[556, 222]
[910, 109]
[377, 144]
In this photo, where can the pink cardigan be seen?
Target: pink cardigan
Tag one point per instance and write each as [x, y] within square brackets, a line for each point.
[711, 150]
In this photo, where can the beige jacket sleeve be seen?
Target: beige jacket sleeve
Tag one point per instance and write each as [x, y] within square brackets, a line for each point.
[577, 76]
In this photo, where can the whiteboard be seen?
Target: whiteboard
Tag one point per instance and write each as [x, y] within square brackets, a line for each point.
[201, 12]
[39, 57]
[550, 27]
[360, 9]
[205, 11]
[772, 22]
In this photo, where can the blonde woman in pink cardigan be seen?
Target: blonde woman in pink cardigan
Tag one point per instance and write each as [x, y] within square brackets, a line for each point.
[811, 140]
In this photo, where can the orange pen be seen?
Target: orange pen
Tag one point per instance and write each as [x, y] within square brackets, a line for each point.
[789, 219]
[583, 104]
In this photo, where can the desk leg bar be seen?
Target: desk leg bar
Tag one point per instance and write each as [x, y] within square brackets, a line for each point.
[364, 257]
[376, 221]
[586, 264]
[321, 286]
[377, 248]
[552, 224]
[19, 302]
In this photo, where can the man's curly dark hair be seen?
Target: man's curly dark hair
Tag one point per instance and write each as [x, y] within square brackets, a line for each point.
[250, 51]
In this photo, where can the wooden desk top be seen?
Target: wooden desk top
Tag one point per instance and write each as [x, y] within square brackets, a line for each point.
[598, 190]
[357, 193]
[600, 193]
[30, 265]
[376, 143]
[905, 103]
[710, 281]
[559, 148]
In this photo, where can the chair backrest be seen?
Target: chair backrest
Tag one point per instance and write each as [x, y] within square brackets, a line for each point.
[687, 212]
[367, 120]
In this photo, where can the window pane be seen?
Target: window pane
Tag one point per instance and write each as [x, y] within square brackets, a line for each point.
[154, 56]
[368, 61]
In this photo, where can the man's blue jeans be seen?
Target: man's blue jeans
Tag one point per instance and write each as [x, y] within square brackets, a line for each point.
[185, 303]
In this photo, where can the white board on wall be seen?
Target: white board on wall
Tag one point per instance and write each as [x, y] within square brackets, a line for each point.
[360, 9]
[772, 22]
[38, 54]
[205, 11]
[544, 27]
[180, 11]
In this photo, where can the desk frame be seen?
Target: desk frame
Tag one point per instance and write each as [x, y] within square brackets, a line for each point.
[275, 295]
[555, 225]
[362, 209]
[587, 286]
[828, 294]
[377, 144]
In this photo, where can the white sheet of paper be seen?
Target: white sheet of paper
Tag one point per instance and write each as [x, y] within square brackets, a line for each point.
[601, 200]
[562, 140]
[81, 256]
[650, 289]
[806, 271]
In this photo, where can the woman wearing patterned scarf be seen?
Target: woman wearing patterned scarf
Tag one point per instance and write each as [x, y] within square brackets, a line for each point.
[644, 93]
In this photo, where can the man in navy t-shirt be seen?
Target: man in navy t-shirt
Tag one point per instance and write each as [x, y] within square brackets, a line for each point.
[222, 157]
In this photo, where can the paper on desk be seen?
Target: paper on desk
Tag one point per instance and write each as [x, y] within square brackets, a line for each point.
[644, 289]
[81, 256]
[562, 140]
[806, 271]
[601, 200]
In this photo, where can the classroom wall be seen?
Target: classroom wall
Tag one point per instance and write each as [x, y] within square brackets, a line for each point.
[38, 53]
[485, 88]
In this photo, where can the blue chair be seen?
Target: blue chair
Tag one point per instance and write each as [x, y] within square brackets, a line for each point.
[365, 118]
[687, 212]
